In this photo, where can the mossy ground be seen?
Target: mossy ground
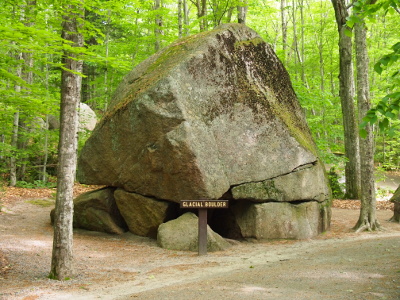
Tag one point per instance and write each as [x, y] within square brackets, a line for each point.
[42, 202]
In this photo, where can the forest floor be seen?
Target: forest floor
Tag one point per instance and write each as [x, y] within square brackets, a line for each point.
[338, 264]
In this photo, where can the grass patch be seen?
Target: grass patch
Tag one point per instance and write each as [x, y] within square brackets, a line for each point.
[42, 202]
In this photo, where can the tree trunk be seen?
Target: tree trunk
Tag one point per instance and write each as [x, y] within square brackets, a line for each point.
[180, 31]
[158, 29]
[284, 30]
[106, 42]
[46, 129]
[71, 83]
[14, 137]
[2, 141]
[14, 143]
[27, 17]
[346, 92]
[367, 219]
[23, 132]
[296, 56]
[242, 13]
[201, 13]
[302, 52]
[46, 150]
[229, 14]
[186, 17]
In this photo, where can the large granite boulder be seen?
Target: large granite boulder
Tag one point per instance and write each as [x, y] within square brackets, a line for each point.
[212, 115]
[181, 234]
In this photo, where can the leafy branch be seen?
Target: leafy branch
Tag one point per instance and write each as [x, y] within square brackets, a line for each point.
[387, 108]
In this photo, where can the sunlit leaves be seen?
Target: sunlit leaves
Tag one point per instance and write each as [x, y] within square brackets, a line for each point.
[388, 60]
[386, 110]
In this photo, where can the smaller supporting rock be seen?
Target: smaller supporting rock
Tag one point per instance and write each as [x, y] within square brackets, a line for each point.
[182, 234]
[97, 211]
[142, 214]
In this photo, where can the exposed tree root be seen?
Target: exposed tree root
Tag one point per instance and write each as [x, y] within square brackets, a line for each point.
[367, 225]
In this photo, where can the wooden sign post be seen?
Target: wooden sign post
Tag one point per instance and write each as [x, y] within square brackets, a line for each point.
[202, 206]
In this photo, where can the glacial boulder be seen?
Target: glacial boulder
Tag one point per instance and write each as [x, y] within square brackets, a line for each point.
[211, 116]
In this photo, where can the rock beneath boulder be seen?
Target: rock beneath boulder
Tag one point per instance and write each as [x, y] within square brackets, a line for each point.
[97, 211]
[307, 183]
[275, 220]
[396, 200]
[182, 234]
[143, 215]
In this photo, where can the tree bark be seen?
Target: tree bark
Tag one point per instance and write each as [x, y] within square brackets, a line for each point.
[14, 143]
[242, 13]
[2, 141]
[14, 137]
[186, 17]
[296, 56]
[23, 132]
[201, 13]
[367, 219]
[158, 29]
[180, 31]
[71, 83]
[106, 42]
[45, 149]
[302, 41]
[346, 92]
[284, 30]
[27, 17]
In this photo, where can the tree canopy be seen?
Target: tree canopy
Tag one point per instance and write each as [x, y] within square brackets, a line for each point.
[120, 34]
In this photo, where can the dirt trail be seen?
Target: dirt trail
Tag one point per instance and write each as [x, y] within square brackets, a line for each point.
[335, 265]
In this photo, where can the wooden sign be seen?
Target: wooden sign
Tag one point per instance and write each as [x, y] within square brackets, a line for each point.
[202, 206]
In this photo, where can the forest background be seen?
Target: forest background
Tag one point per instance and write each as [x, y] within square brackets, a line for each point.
[119, 34]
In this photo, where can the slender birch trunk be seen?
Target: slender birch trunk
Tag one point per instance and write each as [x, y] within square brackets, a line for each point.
[367, 219]
[71, 84]
[346, 92]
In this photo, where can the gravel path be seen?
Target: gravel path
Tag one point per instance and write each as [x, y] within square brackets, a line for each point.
[335, 265]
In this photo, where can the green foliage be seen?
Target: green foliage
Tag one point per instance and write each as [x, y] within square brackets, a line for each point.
[336, 187]
[120, 34]
[387, 151]
[388, 107]
[37, 184]
[388, 60]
